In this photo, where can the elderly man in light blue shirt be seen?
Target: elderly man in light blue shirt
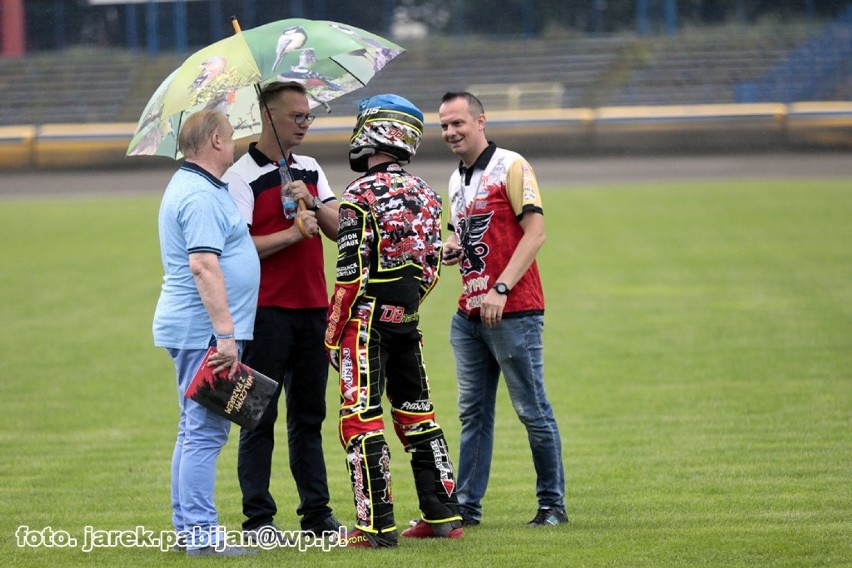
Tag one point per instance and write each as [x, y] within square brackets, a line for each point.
[209, 296]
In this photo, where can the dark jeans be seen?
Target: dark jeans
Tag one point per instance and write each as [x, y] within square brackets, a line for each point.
[287, 346]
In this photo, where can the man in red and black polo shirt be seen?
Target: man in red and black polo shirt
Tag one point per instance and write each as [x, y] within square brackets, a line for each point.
[290, 324]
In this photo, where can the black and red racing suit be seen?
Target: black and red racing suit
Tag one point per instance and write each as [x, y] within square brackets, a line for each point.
[389, 252]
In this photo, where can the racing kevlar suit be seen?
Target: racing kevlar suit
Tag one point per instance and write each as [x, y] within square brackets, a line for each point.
[389, 244]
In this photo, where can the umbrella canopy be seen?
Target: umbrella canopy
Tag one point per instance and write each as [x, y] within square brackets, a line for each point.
[330, 59]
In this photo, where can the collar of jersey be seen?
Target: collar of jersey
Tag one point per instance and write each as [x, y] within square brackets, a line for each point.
[262, 159]
[480, 163]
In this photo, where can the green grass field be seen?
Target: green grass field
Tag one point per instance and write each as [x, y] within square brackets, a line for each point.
[698, 355]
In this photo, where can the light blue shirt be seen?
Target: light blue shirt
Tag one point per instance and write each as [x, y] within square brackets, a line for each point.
[197, 214]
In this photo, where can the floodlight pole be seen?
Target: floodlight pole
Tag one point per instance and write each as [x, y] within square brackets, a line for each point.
[642, 17]
[151, 27]
[671, 17]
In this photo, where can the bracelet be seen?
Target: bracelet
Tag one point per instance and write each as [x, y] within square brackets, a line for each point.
[223, 336]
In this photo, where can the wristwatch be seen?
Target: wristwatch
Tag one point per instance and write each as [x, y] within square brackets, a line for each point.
[316, 204]
[501, 288]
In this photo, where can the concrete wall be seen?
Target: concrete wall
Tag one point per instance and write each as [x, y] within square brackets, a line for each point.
[602, 131]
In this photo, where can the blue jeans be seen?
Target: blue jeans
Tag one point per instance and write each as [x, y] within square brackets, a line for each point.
[514, 347]
[201, 435]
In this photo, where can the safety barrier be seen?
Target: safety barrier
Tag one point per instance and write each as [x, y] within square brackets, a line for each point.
[580, 131]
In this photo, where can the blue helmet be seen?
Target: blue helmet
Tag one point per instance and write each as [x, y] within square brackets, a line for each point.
[387, 124]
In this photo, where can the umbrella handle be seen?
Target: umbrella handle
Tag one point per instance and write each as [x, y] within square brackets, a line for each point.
[299, 224]
[236, 25]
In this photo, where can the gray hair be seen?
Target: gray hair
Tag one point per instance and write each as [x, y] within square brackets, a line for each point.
[197, 131]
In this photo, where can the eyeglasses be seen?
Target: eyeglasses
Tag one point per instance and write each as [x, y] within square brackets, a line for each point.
[299, 118]
[302, 119]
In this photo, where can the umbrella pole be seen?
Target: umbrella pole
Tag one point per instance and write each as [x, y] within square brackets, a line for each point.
[177, 142]
[302, 206]
[272, 125]
[237, 30]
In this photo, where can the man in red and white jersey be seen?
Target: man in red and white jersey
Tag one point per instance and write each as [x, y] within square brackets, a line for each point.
[293, 301]
[498, 228]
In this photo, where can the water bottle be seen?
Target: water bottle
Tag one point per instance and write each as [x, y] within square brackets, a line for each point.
[287, 202]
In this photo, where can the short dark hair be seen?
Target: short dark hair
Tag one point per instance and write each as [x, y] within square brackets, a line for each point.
[473, 103]
[269, 91]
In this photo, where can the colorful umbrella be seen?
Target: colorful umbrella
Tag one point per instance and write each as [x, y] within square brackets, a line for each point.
[330, 59]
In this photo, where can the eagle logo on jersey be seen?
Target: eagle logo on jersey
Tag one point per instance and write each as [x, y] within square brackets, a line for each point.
[475, 250]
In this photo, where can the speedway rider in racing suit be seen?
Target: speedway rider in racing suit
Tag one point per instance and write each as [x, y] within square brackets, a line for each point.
[389, 244]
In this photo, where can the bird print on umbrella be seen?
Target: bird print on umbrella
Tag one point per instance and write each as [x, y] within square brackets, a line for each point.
[377, 53]
[222, 103]
[153, 138]
[310, 79]
[225, 76]
[153, 135]
[291, 39]
[210, 69]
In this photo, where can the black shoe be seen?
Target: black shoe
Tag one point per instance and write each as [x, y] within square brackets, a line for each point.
[548, 517]
[469, 522]
[330, 524]
[265, 535]
[360, 539]
[221, 551]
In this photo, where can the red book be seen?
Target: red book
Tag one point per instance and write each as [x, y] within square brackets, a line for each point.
[242, 399]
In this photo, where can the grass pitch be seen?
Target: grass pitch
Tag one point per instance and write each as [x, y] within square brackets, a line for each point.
[698, 344]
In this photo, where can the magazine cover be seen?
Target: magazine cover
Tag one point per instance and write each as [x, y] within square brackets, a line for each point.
[242, 399]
